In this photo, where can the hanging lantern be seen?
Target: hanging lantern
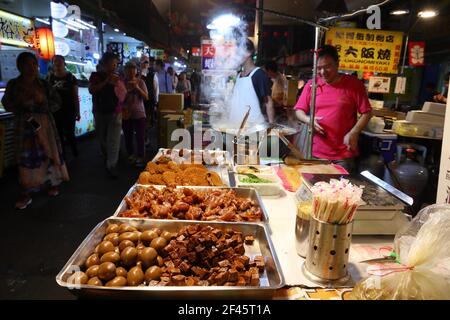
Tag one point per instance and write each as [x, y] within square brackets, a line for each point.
[45, 43]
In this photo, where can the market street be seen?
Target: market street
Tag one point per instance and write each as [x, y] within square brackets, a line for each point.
[57, 224]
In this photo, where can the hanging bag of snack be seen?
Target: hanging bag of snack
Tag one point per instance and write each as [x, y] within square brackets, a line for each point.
[422, 269]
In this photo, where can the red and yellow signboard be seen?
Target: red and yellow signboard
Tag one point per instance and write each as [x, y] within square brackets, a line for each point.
[366, 50]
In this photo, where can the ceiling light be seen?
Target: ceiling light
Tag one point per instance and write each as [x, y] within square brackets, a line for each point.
[86, 23]
[43, 21]
[74, 24]
[124, 34]
[399, 12]
[427, 14]
[110, 38]
[116, 30]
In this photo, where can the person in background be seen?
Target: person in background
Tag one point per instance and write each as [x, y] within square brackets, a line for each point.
[165, 80]
[134, 114]
[339, 100]
[279, 85]
[38, 149]
[284, 113]
[442, 97]
[195, 86]
[108, 93]
[302, 80]
[252, 89]
[430, 91]
[184, 87]
[150, 78]
[66, 85]
[171, 71]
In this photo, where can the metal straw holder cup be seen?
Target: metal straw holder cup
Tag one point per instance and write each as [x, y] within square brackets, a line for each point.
[302, 235]
[328, 252]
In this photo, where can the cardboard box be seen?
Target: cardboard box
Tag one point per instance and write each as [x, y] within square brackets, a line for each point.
[167, 123]
[171, 102]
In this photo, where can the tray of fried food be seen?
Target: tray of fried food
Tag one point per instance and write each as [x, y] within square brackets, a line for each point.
[193, 203]
[138, 258]
[167, 172]
[202, 156]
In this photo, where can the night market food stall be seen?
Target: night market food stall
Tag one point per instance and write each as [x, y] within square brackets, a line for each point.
[200, 223]
[185, 230]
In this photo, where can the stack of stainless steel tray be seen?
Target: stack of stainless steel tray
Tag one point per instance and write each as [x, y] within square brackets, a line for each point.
[270, 280]
[248, 193]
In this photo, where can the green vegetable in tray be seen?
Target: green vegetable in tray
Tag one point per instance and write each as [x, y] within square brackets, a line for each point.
[254, 179]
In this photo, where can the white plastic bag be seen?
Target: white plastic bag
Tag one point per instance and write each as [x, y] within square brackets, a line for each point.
[423, 248]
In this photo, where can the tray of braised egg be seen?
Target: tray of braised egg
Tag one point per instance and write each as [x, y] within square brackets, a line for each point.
[132, 258]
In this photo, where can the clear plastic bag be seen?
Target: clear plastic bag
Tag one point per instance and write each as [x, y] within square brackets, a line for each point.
[423, 250]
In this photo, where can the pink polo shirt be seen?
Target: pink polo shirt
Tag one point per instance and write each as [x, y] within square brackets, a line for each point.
[338, 105]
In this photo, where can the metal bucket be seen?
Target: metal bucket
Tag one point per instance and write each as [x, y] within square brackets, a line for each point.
[328, 252]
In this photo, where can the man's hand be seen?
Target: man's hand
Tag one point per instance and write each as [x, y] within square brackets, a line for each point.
[113, 78]
[351, 140]
[317, 126]
[440, 98]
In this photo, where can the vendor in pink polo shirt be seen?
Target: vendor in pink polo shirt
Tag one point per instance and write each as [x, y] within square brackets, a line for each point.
[339, 99]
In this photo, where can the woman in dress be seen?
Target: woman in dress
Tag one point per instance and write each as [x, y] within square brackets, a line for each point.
[38, 149]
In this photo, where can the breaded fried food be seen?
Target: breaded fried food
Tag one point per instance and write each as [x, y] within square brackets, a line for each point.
[144, 177]
[156, 179]
[213, 179]
[151, 167]
[169, 177]
[195, 170]
[173, 166]
[161, 168]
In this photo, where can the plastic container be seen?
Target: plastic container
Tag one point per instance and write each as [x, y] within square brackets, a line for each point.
[405, 128]
[271, 189]
[376, 125]
[255, 169]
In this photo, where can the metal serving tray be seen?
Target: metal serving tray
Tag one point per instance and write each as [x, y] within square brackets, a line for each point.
[225, 162]
[270, 280]
[249, 193]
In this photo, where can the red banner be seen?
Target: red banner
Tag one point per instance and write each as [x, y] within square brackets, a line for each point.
[416, 53]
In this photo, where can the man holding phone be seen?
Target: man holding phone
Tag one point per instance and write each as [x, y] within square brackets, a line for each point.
[108, 93]
[339, 99]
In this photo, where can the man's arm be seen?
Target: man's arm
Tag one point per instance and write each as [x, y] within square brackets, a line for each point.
[301, 115]
[97, 86]
[351, 138]
[270, 109]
